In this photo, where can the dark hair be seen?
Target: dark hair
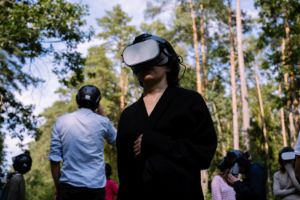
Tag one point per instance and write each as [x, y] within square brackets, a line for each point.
[108, 170]
[174, 60]
[283, 162]
[88, 96]
[235, 156]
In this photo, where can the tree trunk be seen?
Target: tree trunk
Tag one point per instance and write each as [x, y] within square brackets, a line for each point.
[203, 52]
[288, 79]
[262, 112]
[282, 123]
[244, 90]
[195, 41]
[264, 127]
[235, 125]
[222, 138]
[293, 90]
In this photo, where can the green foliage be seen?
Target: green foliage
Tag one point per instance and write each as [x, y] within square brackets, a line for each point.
[31, 29]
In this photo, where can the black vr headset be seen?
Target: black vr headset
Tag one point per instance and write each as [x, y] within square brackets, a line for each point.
[22, 163]
[149, 50]
[88, 96]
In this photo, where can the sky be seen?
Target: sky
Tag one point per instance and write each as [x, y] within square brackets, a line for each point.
[44, 95]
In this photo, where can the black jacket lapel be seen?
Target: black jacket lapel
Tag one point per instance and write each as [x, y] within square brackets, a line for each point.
[161, 107]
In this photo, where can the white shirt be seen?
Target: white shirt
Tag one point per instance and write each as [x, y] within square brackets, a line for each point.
[78, 141]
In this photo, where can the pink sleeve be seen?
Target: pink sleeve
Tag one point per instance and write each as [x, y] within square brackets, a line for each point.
[216, 188]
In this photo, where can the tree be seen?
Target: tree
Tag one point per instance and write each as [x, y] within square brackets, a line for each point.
[117, 32]
[30, 29]
[281, 35]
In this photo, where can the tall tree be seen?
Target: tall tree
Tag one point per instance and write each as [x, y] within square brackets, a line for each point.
[280, 34]
[117, 32]
[196, 52]
[243, 79]
[233, 81]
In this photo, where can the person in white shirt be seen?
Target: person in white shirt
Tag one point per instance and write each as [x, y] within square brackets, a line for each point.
[285, 185]
[77, 149]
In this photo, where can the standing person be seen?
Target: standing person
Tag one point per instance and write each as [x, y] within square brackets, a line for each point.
[111, 188]
[285, 185]
[220, 188]
[15, 186]
[78, 142]
[167, 136]
[253, 185]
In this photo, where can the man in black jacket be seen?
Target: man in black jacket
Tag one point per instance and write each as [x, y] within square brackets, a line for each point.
[253, 185]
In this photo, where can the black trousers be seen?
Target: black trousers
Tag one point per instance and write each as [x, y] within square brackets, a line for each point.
[69, 192]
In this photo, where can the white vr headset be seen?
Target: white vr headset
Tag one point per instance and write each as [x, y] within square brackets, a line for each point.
[288, 156]
[144, 52]
[152, 51]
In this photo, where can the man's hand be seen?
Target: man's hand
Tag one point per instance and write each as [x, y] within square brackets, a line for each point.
[100, 110]
[137, 146]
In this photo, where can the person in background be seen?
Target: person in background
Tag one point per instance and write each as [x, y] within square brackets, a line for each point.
[15, 186]
[167, 136]
[253, 185]
[78, 142]
[111, 188]
[220, 188]
[285, 185]
[297, 162]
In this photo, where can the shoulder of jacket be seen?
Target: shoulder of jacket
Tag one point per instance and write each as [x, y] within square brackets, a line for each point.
[187, 92]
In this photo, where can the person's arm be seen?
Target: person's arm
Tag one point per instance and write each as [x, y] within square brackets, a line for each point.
[276, 188]
[290, 170]
[100, 110]
[55, 155]
[111, 134]
[55, 172]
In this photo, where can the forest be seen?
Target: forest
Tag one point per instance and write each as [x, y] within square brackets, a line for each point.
[245, 65]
